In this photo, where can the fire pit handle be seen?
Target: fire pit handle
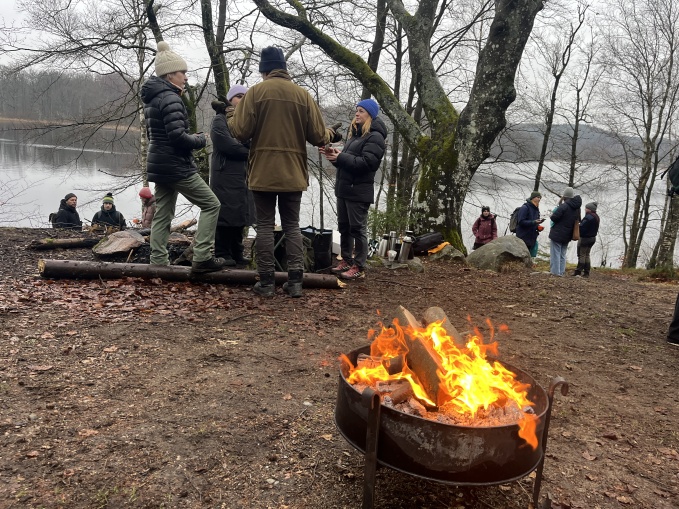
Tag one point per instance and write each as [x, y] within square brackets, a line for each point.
[371, 399]
[556, 383]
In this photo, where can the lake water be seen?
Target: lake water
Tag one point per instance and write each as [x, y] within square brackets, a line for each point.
[36, 176]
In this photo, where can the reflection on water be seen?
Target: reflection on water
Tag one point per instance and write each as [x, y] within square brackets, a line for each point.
[35, 176]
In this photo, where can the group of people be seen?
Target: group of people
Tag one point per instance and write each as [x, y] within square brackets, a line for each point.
[67, 217]
[563, 230]
[258, 165]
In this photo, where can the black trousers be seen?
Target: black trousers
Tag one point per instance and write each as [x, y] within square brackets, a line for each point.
[229, 242]
[673, 332]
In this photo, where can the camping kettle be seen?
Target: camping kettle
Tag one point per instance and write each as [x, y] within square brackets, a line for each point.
[384, 246]
[406, 247]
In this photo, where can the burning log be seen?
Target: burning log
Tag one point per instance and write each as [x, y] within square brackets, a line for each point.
[393, 365]
[46, 244]
[72, 269]
[436, 314]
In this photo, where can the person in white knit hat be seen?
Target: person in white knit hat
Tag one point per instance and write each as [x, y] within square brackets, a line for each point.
[170, 162]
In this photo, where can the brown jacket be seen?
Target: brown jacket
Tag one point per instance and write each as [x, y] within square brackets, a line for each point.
[278, 117]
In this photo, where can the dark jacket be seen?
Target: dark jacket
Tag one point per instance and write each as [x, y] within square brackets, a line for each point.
[109, 218]
[228, 175]
[589, 227]
[279, 118]
[484, 229]
[170, 157]
[527, 228]
[358, 162]
[564, 220]
[68, 217]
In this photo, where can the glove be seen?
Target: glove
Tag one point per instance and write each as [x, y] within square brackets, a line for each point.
[335, 135]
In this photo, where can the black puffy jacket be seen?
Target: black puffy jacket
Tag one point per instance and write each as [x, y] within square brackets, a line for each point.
[109, 218]
[564, 219]
[358, 163]
[167, 125]
[68, 217]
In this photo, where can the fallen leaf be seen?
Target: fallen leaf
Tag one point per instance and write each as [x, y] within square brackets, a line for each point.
[87, 432]
[287, 397]
[625, 500]
[42, 367]
[636, 368]
[327, 437]
[588, 456]
[32, 454]
[111, 349]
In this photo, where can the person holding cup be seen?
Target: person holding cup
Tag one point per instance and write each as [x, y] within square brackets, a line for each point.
[356, 166]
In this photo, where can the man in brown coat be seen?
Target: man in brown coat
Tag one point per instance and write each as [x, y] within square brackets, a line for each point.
[279, 118]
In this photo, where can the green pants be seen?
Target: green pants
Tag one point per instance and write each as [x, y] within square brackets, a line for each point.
[195, 190]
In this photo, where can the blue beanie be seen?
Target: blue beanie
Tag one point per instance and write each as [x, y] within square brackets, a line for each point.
[272, 58]
[370, 106]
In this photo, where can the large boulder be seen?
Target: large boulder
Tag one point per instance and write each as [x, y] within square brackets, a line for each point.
[500, 252]
[448, 253]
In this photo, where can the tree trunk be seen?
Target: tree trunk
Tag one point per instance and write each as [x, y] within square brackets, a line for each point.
[72, 269]
[46, 244]
[214, 49]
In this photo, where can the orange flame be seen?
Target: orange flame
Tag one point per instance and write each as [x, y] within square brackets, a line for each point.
[468, 383]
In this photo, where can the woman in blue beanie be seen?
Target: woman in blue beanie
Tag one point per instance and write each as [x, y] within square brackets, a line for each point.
[356, 166]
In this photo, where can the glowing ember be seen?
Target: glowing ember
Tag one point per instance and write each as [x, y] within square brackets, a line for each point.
[467, 386]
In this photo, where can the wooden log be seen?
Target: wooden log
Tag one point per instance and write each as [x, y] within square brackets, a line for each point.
[45, 244]
[183, 225]
[436, 314]
[72, 269]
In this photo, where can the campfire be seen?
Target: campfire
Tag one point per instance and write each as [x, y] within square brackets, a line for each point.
[430, 371]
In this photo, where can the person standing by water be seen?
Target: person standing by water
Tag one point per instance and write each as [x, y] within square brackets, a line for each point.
[228, 180]
[67, 217]
[561, 233]
[170, 162]
[148, 207]
[355, 185]
[589, 227]
[279, 117]
[529, 221]
[108, 216]
[484, 228]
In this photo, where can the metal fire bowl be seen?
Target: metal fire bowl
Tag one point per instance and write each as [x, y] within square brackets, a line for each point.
[459, 455]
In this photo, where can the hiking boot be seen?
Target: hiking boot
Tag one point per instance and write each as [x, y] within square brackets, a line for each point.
[355, 272]
[294, 285]
[229, 262]
[211, 265]
[266, 286]
[342, 267]
[242, 261]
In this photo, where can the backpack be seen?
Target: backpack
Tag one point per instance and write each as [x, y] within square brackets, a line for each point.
[514, 220]
[423, 243]
[52, 218]
[673, 177]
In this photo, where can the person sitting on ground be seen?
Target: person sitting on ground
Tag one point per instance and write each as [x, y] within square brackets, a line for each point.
[529, 223]
[108, 216]
[148, 207]
[67, 217]
[484, 228]
[589, 227]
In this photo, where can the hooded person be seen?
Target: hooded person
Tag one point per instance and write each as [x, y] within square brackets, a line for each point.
[148, 207]
[108, 216]
[278, 118]
[67, 217]
[228, 180]
[357, 165]
[171, 165]
[528, 222]
[561, 232]
[589, 228]
[484, 228]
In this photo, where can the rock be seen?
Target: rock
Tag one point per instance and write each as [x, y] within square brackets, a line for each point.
[501, 252]
[416, 265]
[118, 243]
[449, 253]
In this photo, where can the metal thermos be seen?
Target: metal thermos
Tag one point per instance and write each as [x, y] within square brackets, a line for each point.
[384, 246]
[392, 240]
[406, 247]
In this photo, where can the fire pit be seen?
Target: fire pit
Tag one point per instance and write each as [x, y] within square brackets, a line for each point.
[440, 451]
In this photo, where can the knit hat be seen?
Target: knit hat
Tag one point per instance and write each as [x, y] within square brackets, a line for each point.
[370, 106]
[69, 196]
[591, 206]
[568, 192]
[272, 58]
[235, 90]
[168, 61]
[535, 194]
[218, 106]
[108, 198]
[145, 193]
[485, 207]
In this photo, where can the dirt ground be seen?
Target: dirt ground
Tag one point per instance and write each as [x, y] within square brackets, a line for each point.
[151, 394]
